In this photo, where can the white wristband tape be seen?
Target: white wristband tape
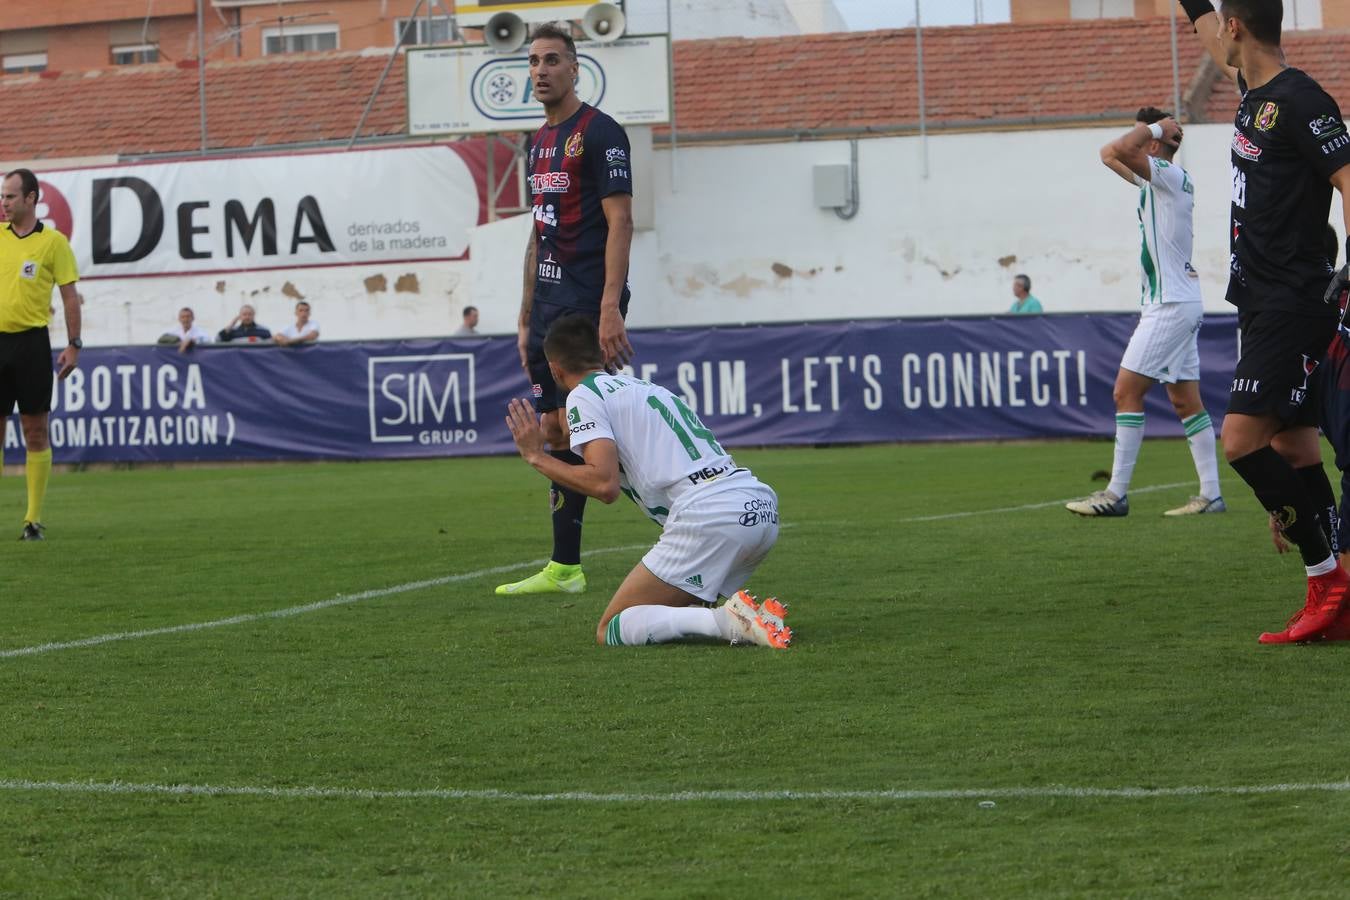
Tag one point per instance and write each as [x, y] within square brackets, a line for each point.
[1156, 130]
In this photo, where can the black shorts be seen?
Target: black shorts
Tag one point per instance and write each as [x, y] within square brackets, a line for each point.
[542, 315]
[1274, 375]
[26, 371]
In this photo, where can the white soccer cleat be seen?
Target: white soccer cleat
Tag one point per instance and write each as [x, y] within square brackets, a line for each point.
[1198, 506]
[1100, 503]
[751, 622]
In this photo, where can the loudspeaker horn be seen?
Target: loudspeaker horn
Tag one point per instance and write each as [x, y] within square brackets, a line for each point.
[505, 32]
[603, 22]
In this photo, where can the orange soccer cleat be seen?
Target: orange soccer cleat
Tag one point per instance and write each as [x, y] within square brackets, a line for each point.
[758, 623]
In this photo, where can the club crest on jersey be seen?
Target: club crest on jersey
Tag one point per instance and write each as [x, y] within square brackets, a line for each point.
[574, 147]
[29, 269]
[1266, 116]
[1244, 147]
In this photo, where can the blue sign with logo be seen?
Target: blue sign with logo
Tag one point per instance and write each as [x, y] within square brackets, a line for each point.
[831, 382]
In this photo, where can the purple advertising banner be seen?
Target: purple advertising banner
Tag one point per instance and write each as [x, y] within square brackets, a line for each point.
[836, 382]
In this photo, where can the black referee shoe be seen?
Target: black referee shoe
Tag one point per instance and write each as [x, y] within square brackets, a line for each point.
[32, 531]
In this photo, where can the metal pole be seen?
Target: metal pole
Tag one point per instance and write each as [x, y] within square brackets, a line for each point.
[1176, 66]
[201, 73]
[923, 111]
[670, 78]
[393, 55]
[491, 185]
[1176, 71]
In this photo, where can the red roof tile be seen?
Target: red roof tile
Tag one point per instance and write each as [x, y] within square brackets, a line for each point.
[153, 109]
[1319, 53]
[989, 74]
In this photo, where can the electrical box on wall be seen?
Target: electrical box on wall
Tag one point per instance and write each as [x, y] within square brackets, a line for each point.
[831, 185]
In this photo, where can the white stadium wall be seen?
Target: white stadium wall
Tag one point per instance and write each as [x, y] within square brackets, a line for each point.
[737, 238]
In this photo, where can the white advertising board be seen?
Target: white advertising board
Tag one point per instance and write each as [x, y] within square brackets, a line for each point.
[271, 212]
[476, 90]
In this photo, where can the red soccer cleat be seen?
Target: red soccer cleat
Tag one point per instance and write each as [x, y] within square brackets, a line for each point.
[1326, 599]
[1340, 629]
[1281, 637]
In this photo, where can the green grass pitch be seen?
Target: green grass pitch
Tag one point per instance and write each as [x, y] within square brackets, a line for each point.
[995, 656]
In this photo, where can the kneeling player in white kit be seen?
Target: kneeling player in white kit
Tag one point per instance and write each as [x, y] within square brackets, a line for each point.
[1164, 347]
[718, 520]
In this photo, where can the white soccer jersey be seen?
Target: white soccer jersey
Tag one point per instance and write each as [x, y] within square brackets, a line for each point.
[664, 450]
[1166, 208]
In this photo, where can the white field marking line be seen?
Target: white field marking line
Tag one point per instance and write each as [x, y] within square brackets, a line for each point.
[1049, 792]
[339, 600]
[1007, 509]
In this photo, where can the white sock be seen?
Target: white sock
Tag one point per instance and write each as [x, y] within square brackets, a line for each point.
[1325, 567]
[1129, 435]
[1200, 437]
[639, 625]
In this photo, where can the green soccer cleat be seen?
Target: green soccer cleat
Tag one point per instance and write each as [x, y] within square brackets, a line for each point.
[554, 578]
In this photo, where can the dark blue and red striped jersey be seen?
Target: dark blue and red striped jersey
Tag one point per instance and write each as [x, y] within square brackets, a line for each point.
[573, 166]
[1334, 373]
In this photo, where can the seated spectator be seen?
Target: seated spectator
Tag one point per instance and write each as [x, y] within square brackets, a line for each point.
[470, 324]
[244, 328]
[304, 331]
[188, 334]
[1025, 303]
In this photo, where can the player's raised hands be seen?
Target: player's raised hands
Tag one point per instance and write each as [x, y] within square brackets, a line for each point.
[1171, 132]
[525, 429]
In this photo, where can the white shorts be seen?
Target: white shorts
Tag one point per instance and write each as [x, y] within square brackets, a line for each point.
[1165, 344]
[715, 537]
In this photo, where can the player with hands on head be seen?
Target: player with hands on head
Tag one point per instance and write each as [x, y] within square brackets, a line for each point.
[1164, 347]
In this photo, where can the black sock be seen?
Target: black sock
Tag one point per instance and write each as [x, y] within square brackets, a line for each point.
[1282, 493]
[1315, 482]
[568, 509]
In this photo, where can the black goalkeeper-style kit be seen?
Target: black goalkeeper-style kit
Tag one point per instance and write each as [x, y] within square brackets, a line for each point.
[1288, 139]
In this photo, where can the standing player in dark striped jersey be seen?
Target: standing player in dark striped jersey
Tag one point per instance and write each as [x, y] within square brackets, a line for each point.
[1290, 147]
[576, 263]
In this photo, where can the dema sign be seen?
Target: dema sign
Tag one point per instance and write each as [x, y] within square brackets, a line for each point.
[422, 399]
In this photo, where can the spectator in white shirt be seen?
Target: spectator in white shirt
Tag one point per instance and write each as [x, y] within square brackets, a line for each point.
[304, 331]
[188, 334]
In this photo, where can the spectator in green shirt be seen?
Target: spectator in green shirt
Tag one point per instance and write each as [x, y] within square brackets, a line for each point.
[1025, 304]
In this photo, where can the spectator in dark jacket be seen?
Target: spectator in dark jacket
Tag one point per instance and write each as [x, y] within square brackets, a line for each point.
[244, 328]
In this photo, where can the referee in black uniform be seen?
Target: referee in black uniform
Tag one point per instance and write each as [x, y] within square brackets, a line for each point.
[1290, 147]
